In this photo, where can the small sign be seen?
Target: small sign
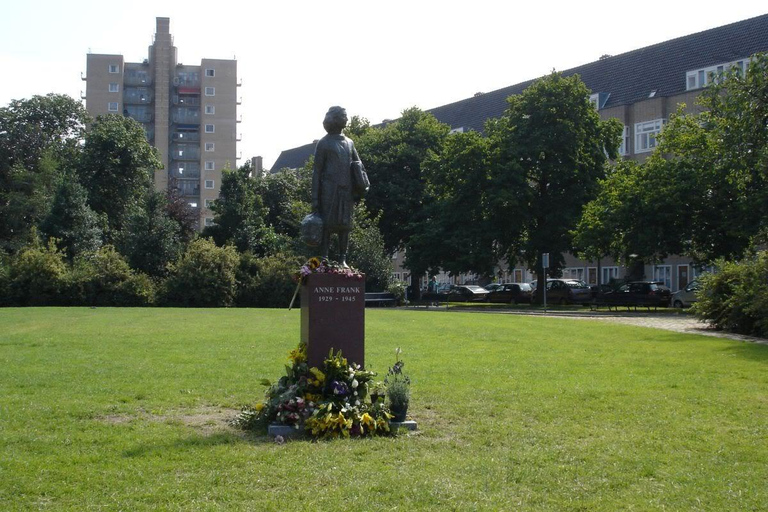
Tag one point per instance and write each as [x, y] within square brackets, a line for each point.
[545, 260]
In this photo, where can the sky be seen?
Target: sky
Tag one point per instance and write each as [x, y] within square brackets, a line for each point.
[297, 58]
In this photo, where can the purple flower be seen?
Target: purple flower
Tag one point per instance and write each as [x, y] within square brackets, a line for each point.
[340, 388]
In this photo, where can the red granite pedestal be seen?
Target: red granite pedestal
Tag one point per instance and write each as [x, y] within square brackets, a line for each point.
[333, 316]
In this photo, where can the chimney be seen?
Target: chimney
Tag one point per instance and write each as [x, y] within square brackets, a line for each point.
[257, 166]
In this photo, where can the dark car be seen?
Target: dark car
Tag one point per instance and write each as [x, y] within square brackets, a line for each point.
[651, 294]
[567, 291]
[493, 286]
[467, 293]
[511, 292]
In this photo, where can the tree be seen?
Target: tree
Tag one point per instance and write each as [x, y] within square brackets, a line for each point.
[239, 215]
[286, 195]
[366, 250]
[31, 128]
[116, 166]
[75, 228]
[704, 192]
[455, 230]
[150, 239]
[548, 152]
[39, 138]
[392, 155]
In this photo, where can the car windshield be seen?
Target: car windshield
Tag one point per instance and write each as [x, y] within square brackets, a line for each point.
[525, 287]
[475, 288]
[576, 284]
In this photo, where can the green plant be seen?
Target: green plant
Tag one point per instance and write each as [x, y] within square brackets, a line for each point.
[204, 276]
[736, 298]
[398, 385]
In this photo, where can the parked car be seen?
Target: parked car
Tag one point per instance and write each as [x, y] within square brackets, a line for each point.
[638, 293]
[687, 296]
[511, 292]
[567, 291]
[493, 286]
[467, 293]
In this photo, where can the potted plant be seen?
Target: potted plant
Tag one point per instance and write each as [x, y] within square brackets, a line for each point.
[398, 386]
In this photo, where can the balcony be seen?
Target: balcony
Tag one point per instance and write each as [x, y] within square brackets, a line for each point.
[142, 116]
[188, 188]
[185, 152]
[137, 79]
[239, 138]
[239, 119]
[185, 137]
[186, 100]
[240, 83]
[83, 77]
[186, 115]
[239, 101]
[141, 96]
[187, 82]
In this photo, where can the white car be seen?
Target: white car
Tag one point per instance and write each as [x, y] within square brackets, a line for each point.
[687, 296]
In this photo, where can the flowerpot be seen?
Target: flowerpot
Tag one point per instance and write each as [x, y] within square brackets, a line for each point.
[399, 413]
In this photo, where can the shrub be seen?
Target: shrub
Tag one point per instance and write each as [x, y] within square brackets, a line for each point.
[104, 278]
[204, 276]
[266, 282]
[37, 275]
[736, 298]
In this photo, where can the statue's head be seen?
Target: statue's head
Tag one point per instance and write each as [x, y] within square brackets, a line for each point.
[335, 120]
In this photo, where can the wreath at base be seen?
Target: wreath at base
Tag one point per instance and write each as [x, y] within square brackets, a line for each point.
[338, 401]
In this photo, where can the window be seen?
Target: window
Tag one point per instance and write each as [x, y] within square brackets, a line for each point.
[210, 146]
[594, 99]
[608, 273]
[209, 166]
[209, 128]
[209, 203]
[193, 205]
[624, 148]
[113, 68]
[112, 107]
[209, 184]
[208, 221]
[698, 78]
[575, 273]
[210, 72]
[113, 87]
[663, 273]
[210, 109]
[210, 91]
[592, 275]
[645, 135]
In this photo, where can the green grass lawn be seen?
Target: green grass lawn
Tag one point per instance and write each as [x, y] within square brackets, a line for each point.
[126, 409]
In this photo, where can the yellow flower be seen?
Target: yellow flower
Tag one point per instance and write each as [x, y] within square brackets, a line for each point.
[367, 421]
[314, 263]
[259, 407]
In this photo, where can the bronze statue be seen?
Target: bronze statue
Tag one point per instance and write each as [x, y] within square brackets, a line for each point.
[338, 178]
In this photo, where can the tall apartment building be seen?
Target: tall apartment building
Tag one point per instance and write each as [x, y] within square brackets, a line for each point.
[189, 113]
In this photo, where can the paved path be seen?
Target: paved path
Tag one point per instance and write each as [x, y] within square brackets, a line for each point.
[677, 323]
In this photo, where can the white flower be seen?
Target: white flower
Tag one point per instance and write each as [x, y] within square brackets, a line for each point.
[355, 384]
